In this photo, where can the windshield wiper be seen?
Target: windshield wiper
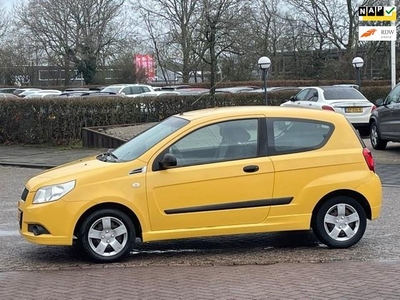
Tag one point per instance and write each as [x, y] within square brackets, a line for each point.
[108, 156]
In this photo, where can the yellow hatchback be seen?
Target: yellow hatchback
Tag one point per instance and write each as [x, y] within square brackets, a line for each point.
[210, 172]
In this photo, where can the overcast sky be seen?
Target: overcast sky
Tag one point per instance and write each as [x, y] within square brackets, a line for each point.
[8, 3]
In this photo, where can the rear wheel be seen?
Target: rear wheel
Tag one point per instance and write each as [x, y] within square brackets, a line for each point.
[107, 235]
[340, 222]
[376, 141]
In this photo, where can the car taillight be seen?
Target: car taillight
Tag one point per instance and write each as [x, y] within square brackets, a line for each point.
[327, 107]
[369, 159]
[373, 108]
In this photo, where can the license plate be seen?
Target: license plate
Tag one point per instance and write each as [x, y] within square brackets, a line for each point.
[353, 109]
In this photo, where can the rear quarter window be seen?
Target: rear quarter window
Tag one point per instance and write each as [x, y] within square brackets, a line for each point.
[297, 135]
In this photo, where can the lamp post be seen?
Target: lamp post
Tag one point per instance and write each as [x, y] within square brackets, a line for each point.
[358, 62]
[264, 63]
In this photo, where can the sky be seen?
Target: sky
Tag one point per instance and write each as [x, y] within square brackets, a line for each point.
[8, 3]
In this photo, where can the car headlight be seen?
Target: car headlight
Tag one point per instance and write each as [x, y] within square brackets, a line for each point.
[53, 192]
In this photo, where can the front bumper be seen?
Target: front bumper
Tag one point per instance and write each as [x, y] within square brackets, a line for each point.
[58, 218]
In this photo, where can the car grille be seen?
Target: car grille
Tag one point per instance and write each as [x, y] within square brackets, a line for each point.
[24, 194]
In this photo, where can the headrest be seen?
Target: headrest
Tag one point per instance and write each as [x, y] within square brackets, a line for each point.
[235, 134]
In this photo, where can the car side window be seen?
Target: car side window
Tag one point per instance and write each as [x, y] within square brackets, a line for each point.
[217, 142]
[312, 95]
[301, 96]
[126, 91]
[144, 89]
[297, 135]
[394, 96]
[136, 90]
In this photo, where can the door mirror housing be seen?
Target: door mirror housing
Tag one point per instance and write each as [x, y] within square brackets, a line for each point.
[293, 98]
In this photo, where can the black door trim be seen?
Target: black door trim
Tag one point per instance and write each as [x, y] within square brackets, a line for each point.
[230, 205]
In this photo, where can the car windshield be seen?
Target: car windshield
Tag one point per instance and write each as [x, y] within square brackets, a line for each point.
[111, 89]
[342, 94]
[147, 139]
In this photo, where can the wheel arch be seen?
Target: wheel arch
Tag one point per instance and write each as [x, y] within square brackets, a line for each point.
[111, 205]
[349, 193]
[373, 119]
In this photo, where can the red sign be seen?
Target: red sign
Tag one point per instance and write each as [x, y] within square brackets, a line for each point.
[145, 62]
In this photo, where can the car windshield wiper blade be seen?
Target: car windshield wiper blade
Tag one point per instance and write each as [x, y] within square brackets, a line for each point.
[108, 156]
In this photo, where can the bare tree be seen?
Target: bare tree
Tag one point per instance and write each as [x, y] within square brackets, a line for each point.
[4, 21]
[176, 21]
[72, 31]
[221, 23]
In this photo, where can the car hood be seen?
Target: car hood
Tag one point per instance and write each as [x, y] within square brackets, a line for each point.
[83, 171]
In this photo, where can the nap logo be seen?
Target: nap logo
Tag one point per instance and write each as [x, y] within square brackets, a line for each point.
[377, 33]
[377, 13]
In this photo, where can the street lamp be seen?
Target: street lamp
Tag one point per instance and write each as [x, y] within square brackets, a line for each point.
[264, 63]
[358, 62]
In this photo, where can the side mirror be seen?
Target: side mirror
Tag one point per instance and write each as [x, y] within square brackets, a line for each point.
[168, 161]
[293, 98]
[379, 102]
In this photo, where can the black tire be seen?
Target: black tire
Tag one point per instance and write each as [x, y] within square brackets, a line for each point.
[375, 137]
[340, 222]
[107, 243]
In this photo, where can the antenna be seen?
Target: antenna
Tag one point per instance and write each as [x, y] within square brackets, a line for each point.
[205, 93]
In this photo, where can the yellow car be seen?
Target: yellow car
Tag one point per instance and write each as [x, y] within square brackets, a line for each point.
[210, 172]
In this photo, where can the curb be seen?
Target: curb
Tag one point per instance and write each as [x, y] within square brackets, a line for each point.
[27, 165]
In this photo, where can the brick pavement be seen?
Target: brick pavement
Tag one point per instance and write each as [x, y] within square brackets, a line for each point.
[335, 280]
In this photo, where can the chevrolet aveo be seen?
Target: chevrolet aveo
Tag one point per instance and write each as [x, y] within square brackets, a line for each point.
[210, 172]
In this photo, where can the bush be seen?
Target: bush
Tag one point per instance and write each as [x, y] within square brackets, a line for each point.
[59, 121]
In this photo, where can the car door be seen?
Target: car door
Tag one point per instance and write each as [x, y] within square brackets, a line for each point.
[219, 180]
[302, 98]
[297, 99]
[311, 99]
[389, 115]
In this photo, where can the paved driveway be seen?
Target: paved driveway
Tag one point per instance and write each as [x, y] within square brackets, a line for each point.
[290, 265]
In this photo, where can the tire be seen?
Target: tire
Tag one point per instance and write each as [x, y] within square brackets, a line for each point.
[376, 141]
[107, 235]
[340, 222]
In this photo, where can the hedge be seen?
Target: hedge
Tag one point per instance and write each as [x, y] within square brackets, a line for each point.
[59, 121]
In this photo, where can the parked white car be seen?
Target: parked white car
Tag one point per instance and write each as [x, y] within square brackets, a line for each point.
[44, 94]
[342, 99]
[128, 90]
[24, 92]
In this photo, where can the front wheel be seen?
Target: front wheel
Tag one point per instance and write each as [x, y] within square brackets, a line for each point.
[340, 222]
[376, 141]
[107, 235]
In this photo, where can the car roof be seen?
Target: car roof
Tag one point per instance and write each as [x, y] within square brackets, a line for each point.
[329, 87]
[270, 111]
[126, 84]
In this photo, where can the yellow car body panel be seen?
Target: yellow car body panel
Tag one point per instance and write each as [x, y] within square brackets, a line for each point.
[208, 199]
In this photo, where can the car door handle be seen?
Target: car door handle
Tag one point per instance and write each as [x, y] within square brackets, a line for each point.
[251, 169]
